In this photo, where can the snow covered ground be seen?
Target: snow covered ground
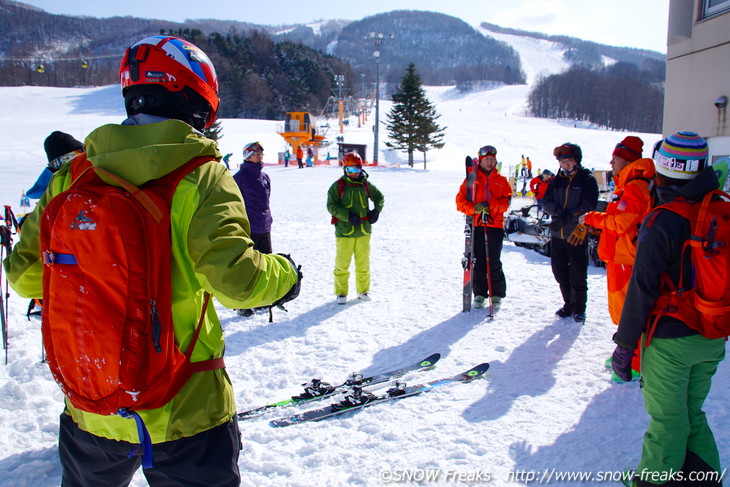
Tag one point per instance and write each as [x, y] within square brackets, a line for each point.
[547, 407]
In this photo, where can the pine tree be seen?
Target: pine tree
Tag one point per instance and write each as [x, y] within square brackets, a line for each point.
[213, 132]
[412, 120]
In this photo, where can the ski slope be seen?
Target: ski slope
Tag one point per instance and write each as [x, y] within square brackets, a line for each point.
[547, 406]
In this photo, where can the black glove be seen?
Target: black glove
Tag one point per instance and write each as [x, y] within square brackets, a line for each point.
[373, 215]
[354, 220]
[621, 362]
[559, 220]
[294, 291]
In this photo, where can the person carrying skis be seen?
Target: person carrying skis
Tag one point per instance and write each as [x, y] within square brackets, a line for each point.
[573, 192]
[347, 202]
[255, 186]
[492, 197]
[195, 435]
[630, 202]
[678, 362]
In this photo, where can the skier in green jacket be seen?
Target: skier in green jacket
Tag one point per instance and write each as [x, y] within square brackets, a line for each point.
[347, 202]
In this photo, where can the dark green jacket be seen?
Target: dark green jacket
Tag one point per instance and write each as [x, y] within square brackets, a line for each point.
[354, 199]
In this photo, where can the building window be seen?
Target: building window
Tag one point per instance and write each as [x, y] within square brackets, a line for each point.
[712, 7]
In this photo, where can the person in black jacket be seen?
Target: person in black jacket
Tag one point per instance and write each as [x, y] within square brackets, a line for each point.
[677, 362]
[573, 192]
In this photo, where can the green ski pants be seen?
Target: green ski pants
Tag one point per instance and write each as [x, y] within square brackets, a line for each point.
[346, 248]
[676, 376]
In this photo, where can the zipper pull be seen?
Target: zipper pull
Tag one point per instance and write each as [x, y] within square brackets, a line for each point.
[156, 326]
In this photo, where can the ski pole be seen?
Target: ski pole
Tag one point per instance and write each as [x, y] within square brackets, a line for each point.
[489, 271]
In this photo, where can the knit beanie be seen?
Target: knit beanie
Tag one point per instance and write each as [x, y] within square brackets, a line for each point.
[629, 149]
[682, 155]
[58, 144]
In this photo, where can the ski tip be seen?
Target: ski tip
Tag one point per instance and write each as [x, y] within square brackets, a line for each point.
[431, 360]
[476, 372]
[469, 160]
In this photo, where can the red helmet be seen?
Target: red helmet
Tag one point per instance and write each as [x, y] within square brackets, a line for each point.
[174, 64]
[352, 159]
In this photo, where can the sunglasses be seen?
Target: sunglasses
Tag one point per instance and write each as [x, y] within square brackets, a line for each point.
[59, 161]
[487, 150]
[352, 169]
[621, 146]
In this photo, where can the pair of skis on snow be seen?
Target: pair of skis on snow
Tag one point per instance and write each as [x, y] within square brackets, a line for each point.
[468, 261]
[354, 396]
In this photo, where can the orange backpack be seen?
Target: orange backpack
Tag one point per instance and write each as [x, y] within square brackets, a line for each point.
[107, 292]
[703, 305]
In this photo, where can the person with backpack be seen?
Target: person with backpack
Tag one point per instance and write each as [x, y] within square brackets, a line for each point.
[492, 195]
[678, 303]
[151, 228]
[60, 148]
[631, 201]
[255, 186]
[573, 192]
[347, 202]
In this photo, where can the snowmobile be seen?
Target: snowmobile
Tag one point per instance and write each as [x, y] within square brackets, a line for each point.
[529, 227]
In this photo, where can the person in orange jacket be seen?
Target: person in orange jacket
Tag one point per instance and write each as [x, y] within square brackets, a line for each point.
[491, 200]
[631, 201]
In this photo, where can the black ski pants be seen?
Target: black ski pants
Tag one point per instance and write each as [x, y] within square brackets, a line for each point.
[570, 268]
[209, 458]
[479, 276]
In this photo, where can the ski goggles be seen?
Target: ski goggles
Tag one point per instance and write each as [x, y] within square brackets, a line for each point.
[352, 169]
[621, 146]
[59, 161]
[256, 147]
[563, 152]
[487, 150]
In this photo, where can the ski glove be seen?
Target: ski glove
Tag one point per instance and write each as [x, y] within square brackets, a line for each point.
[578, 236]
[294, 291]
[373, 215]
[559, 220]
[482, 208]
[354, 220]
[621, 362]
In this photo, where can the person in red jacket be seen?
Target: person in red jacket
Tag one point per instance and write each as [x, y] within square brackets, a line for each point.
[539, 185]
[619, 224]
[491, 200]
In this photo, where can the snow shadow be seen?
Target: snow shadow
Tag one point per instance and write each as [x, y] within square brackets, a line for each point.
[439, 339]
[31, 469]
[599, 442]
[527, 372]
[240, 341]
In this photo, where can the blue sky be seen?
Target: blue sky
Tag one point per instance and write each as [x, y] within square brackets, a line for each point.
[631, 23]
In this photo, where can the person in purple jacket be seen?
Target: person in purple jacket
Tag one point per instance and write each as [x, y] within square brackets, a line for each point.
[255, 186]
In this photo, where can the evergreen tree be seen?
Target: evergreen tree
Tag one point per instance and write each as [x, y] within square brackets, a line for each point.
[213, 132]
[412, 120]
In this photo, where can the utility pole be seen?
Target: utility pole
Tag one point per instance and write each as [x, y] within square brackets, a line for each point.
[377, 38]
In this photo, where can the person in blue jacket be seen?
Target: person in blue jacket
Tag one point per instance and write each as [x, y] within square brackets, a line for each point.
[60, 148]
[255, 186]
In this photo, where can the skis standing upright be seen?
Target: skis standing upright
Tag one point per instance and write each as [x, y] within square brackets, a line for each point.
[467, 262]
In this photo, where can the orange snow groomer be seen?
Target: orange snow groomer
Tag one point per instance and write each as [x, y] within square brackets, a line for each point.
[630, 203]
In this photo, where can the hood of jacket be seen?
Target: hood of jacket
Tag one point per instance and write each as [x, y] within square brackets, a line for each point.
[156, 149]
[694, 190]
[639, 169]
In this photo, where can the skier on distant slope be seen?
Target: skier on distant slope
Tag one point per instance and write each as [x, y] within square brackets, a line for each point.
[633, 178]
[491, 200]
[347, 202]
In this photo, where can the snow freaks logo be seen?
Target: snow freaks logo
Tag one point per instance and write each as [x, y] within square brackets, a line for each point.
[421, 475]
[672, 164]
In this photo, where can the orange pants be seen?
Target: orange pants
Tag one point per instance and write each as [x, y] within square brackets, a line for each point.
[618, 277]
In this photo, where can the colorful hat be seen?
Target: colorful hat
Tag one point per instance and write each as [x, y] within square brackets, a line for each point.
[629, 149]
[682, 155]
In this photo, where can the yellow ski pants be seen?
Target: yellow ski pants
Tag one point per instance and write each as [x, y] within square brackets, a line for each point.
[346, 248]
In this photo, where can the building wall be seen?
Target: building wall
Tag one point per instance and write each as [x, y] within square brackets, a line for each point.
[698, 73]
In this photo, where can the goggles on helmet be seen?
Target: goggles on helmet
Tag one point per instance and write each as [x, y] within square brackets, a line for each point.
[563, 152]
[352, 169]
[59, 161]
[256, 147]
[487, 150]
